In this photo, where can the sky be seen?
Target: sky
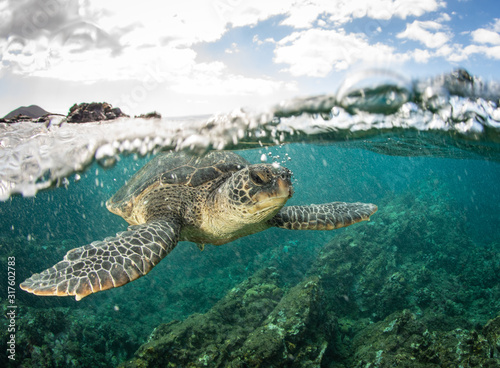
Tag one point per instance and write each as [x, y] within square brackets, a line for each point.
[195, 57]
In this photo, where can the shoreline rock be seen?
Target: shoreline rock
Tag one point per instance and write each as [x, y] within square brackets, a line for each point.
[149, 115]
[95, 111]
[78, 113]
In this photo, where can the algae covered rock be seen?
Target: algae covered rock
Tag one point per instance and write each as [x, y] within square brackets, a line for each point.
[209, 339]
[254, 325]
[59, 337]
[401, 340]
[414, 255]
[291, 335]
[492, 333]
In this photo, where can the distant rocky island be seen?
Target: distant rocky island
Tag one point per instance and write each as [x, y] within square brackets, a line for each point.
[78, 113]
[32, 111]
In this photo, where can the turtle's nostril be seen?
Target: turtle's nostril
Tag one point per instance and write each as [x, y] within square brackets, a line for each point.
[286, 174]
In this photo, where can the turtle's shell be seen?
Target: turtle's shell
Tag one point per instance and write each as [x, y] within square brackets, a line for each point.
[177, 168]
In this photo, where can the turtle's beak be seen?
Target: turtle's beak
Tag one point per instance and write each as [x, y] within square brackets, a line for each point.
[285, 188]
[279, 190]
[284, 182]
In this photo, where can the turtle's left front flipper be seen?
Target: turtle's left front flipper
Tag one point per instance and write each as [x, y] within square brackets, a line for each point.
[106, 264]
[326, 216]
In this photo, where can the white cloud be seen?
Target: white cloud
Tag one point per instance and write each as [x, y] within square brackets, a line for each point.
[496, 25]
[384, 9]
[260, 42]
[213, 84]
[461, 53]
[421, 31]
[493, 52]
[443, 17]
[445, 50]
[304, 13]
[482, 38]
[482, 35]
[176, 23]
[421, 56]
[317, 52]
[173, 68]
[132, 64]
[233, 49]
[153, 46]
[112, 40]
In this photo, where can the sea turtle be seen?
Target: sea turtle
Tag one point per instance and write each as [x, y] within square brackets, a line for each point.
[215, 198]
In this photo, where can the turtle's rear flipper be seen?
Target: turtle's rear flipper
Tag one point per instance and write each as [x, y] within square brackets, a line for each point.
[326, 216]
[109, 263]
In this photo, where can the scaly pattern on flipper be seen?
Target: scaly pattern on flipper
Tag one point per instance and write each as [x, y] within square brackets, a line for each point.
[106, 264]
[326, 216]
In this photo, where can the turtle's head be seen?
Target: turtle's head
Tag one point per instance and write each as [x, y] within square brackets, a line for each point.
[257, 192]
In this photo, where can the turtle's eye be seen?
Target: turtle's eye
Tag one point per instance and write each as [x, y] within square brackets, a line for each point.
[258, 177]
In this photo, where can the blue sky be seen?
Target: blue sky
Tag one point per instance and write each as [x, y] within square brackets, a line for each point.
[199, 56]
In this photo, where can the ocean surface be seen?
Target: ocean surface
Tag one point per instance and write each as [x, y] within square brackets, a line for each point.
[417, 286]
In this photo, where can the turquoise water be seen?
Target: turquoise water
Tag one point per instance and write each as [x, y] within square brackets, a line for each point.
[419, 278]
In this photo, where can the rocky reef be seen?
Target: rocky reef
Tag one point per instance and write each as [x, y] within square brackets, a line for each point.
[256, 324]
[259, 324]
[403, 340]
[59, 337]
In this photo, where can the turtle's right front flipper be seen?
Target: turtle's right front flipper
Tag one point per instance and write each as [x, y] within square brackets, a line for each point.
[109, 263]
[327, 216]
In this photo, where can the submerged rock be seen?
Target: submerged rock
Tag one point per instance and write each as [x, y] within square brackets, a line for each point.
[61, 337]
[416, 255]
[401, 340]
[254, 325]
[291, 335]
